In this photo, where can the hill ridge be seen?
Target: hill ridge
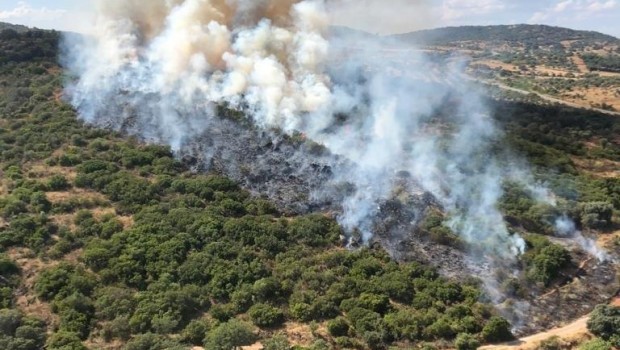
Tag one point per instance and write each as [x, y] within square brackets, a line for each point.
[510, 33]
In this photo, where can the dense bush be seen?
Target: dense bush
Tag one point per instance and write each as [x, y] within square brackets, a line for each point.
[497, 330]
[230, 335]
[605, 323]
[277, 342]
[21, 333]
[264, 315]
[596, 344]
[466, 341]
[338, 327]
[545, 260]
[195, 332]
[58, 183]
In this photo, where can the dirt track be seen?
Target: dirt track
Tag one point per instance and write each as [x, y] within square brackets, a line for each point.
[548, 98]
[575, 331]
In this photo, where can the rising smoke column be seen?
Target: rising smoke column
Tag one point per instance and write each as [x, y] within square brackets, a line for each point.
[159, 69]
[172, 60]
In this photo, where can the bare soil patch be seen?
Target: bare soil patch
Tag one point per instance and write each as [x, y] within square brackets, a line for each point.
[580, 63]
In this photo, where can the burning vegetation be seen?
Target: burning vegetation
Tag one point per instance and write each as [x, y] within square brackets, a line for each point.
[262, 183]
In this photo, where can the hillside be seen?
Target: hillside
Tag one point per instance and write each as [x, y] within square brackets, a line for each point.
[109, 242]
[15, 27]
[522, 34]
[581, 68]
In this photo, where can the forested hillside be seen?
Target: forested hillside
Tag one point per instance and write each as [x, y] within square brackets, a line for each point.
[111, 243]
[108, 242]
[521, 34]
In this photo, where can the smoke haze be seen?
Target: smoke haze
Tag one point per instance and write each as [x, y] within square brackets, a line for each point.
[160, 69]
[384, 17]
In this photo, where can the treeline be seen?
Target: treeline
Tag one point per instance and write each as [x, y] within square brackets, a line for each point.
[532, 36]
[32, 45]
[609, 63]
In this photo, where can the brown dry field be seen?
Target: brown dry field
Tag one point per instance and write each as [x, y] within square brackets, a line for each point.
[494, 64]
[594, 95]
[602, 168]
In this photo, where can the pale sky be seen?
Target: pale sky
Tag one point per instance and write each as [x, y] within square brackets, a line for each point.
[377, 16]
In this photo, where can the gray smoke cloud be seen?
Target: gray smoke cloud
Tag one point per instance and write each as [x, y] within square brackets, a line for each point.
[160, 69]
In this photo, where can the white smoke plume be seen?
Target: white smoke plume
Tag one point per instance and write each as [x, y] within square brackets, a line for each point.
[160, 68]
[565, 227]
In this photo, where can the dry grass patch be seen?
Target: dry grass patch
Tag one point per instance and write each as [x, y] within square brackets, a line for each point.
[42, 171]
[26, 299]
[100, 344]
[603, 168]
[300, 334]
[550, 71]
[66, 220]
[75, 193]
[494, 64]
[99, 213]
[594, 96]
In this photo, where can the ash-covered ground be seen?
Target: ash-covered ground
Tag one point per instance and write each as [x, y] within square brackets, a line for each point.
[297, 175]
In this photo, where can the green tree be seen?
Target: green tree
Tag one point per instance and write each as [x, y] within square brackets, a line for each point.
[151, 341]
[338, 327]
[465, 341]
[264, 315]
[277, 342]
[195, 332]
[497, 330]
[231, 335]
[605, 323]
[63, 340]
[58, 183]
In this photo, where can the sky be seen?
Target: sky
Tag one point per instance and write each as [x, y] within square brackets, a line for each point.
[376, 16]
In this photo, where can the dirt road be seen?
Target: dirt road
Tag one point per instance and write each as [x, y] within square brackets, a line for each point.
[574, 331]
[544, 97]
[577, 330]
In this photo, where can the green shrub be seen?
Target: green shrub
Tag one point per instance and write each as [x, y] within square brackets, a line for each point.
[604, 322]
[63, 340]
[195, 332]
[596, 344]
[553, 343]
[497, 330]
[466, 341]
[58, 183]
[277, 342]
[264, 315]
[230, 335]
[222, 312]
[151, 341]
[338, 327]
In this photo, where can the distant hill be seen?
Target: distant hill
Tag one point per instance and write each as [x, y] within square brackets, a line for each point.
[15, 27]
[540, 35]
[349, 34]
